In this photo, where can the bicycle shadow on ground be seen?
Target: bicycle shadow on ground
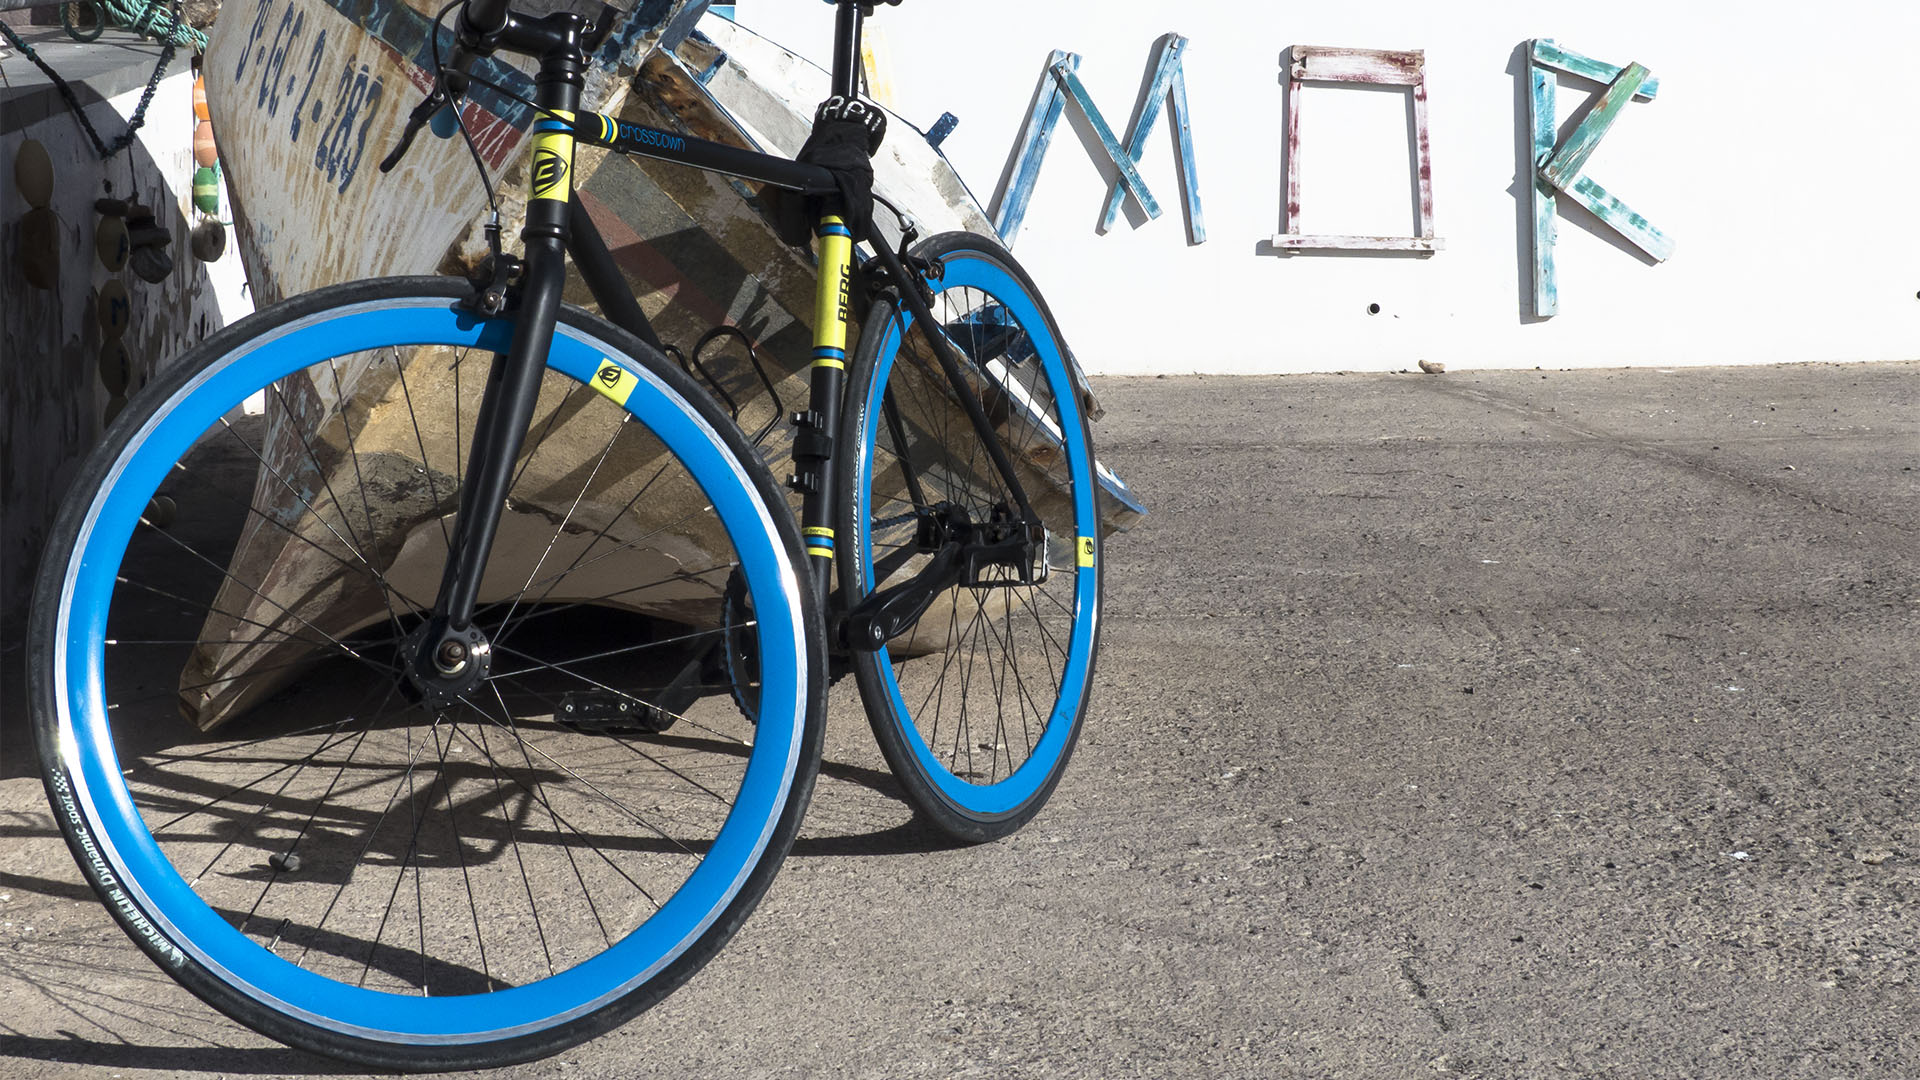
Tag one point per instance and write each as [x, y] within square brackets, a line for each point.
[222, 1060]
[843, 783]
[914, 836]
[90, 993]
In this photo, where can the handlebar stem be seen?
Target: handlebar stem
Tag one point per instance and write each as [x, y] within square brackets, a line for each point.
[481, 19]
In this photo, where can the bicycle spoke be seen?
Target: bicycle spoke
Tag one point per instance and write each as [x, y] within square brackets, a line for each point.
[291, 768]
[629, 811]
[373, 830]
[519, 857]
[561, 526]
[554, 816]
[597, 685]
[460, 852]
[253, 672]
[305, 826]
[331, 640]
[389, 837]
[352, 546]
[625, 650]
[627, 546]
[996, 678]
[1010, 650]
[433, 489]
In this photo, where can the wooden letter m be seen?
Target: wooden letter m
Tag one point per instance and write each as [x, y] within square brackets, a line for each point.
[1061, 82]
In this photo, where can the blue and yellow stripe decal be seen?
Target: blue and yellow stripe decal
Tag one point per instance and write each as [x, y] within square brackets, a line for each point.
[602, 126]
[819, 541]
[830, 301]
[553, 157]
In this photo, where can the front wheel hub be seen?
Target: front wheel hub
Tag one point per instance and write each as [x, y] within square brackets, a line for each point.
[446, 665]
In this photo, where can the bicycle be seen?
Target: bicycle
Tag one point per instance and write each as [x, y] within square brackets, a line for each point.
[533, 691]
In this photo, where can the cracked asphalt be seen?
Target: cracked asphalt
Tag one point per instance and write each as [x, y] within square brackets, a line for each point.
[1485, 724]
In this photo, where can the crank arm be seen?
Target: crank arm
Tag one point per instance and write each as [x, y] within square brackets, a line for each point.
[887, 614]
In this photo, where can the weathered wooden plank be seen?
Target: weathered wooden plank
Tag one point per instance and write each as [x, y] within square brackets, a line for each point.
[1129, 173]
[309, 94]
[1062, 82]
[1381, 67]
[771, 94]
[1035, 134]
[1423, 161]
[1546, 53]
[1572, 154]
[1166, 63]
[1297, 242]
[942, 128]
[1541, 105]
[1293, 153]
[1182, 118]
[1622, 218]
[1368, 66]
[1558, 167]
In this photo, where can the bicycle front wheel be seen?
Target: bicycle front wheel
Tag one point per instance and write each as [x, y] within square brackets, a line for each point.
[977, 707]
[284, 822]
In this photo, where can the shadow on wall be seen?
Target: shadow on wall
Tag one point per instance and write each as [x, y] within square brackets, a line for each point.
[1567, 210]
[84, 327]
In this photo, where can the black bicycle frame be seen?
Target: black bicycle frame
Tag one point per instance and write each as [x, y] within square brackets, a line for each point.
[556, 225]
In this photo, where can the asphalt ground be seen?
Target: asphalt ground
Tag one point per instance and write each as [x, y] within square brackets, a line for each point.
[1485, 724]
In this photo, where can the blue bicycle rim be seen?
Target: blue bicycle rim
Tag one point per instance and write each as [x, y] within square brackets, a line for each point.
[1013, 791]
[183, 921]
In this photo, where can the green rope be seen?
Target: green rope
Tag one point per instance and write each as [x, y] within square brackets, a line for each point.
[147, 17]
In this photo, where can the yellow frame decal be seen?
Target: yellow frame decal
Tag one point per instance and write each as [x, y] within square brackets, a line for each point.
[552, 172]
[832, 295]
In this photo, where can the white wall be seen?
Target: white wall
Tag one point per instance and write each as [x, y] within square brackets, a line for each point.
[1778, 155]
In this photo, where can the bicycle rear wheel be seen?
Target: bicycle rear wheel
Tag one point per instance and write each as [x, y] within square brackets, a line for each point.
[977, 707]
[278, 818]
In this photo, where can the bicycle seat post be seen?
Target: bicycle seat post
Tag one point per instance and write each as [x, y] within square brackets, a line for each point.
[846, 46]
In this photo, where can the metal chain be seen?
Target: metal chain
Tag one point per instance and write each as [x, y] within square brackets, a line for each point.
[125, 139]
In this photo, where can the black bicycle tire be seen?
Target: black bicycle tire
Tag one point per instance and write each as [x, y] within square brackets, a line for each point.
[206, 985]
[943, 812]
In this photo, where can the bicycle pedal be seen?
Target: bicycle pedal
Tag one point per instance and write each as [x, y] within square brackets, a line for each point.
[606, 712]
